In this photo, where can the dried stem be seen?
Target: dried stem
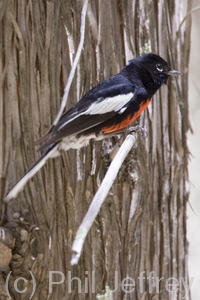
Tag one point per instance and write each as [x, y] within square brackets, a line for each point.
[100, 197]
[75, 63]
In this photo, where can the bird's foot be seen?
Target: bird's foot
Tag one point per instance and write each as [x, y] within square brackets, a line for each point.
[136, 128]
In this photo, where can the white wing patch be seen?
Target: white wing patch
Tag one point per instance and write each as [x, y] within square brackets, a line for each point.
[108, 104]
[105, 106]
[122, 110]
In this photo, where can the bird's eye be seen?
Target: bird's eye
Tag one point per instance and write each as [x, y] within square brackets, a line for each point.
[159, 67]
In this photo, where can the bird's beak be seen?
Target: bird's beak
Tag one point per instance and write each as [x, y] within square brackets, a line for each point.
[173, 72]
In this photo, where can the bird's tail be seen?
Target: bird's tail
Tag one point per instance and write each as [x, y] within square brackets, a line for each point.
[50, 152]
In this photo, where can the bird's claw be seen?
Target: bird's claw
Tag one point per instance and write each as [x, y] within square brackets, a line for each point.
[136, 129]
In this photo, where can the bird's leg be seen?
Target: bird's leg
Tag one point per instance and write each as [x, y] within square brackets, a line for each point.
[123, 132]
[135, 129]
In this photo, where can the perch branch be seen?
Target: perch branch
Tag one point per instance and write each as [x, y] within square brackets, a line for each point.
[100, 197]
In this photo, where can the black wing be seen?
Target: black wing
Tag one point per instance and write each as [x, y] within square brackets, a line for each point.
[99, 104]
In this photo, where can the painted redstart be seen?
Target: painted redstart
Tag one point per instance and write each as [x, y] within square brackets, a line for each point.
[103, 111]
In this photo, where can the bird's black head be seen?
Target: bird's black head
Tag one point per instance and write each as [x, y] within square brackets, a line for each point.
[153, 70]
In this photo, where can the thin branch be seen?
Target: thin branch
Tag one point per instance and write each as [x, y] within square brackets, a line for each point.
[188, 14]
[100, 197]
[75, 63]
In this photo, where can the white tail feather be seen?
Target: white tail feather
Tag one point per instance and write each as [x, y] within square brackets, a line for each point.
[21, 184]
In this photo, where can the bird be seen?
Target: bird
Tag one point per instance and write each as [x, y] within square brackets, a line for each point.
[103, 111]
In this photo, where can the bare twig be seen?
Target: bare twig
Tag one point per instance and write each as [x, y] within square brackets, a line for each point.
[75, 63]
[100, 197]
[188, 14]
